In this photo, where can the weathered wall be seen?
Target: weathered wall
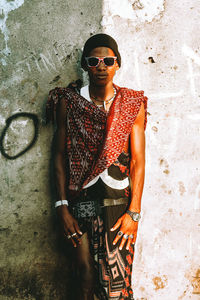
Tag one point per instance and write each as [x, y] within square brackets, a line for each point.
[161, 56]
[40, 42]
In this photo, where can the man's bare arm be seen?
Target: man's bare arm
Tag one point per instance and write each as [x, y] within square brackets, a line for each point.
[137, 170]
[60, 159]
[137, 163]
[69, 224]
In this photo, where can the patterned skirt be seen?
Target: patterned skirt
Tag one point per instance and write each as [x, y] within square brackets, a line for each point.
[113, 266]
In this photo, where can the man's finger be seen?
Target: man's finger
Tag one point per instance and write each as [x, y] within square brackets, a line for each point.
[70, 235]
[117, 237]
[69, 238]
[117, 224]
[134, 239]
[75, 237]
[129, 243]
[123, 241]
[73, 243]
[78, 229]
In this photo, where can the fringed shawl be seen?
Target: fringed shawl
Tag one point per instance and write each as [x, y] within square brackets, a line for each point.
[95, 138]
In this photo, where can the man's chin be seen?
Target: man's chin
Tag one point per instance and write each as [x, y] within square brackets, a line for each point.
[101, 81]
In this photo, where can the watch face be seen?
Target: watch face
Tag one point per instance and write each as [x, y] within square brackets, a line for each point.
[136, 217]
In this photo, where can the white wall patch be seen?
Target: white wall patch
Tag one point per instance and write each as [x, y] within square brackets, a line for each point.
[5, 8]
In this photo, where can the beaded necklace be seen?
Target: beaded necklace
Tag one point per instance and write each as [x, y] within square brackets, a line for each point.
[105, 102]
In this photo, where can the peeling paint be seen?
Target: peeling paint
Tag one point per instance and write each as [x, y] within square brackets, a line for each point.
[182, 189]
[160, 282]
[137, 11]
[5, 8]
[154, 128]
[195, 281]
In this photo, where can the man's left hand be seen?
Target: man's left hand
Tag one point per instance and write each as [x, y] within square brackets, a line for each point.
[127, 231]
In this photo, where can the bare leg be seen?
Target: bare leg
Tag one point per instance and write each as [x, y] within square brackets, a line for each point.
[85, 268]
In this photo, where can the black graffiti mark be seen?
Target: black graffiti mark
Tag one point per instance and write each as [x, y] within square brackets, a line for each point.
[35, 120]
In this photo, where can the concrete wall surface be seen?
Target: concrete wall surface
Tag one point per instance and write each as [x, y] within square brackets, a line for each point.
[40, 45]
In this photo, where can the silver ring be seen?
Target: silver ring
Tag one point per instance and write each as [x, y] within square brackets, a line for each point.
[131, 236]
[74, 234]
[120, 233]
[68, 236]
[126, 236]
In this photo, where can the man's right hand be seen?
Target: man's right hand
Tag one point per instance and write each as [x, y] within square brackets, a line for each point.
[70, 225]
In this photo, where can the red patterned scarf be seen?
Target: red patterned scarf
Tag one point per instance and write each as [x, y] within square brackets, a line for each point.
[95, 138]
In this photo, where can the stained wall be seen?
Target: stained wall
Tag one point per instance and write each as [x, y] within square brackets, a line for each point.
[40, 45]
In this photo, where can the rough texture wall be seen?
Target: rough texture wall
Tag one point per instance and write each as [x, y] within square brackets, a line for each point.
[160, 50]
[40, 45]
[40, 42]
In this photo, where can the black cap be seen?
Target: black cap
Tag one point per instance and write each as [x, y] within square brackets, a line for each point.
[100, 40]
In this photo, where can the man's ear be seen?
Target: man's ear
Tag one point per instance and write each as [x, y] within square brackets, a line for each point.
[117, 65]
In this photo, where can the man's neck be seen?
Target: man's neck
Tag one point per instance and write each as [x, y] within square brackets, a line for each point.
[101, 92]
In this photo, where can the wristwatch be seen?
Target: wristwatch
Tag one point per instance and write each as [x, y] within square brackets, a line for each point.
[134, 215]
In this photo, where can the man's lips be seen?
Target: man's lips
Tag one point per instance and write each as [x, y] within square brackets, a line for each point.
[101, 76]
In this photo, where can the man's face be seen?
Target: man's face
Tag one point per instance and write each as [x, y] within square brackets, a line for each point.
[102, 74]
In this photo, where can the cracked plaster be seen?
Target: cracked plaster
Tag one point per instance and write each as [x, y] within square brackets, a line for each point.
[137, 12]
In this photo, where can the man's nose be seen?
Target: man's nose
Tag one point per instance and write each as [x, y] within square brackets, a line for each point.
[101, 65]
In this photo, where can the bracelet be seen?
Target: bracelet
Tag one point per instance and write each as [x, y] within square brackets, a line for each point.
[61, 202]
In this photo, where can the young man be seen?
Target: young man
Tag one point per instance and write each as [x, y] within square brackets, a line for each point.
[99, 168]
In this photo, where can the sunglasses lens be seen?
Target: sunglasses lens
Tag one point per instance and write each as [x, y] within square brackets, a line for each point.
[93, 61]
[109, 61]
